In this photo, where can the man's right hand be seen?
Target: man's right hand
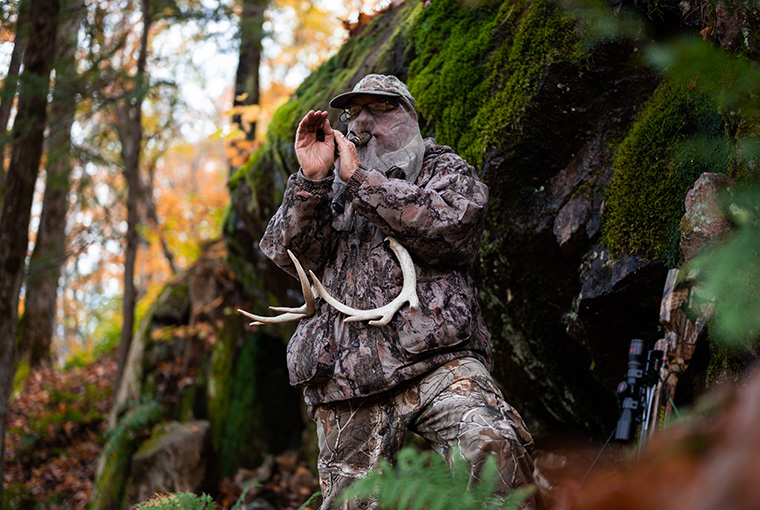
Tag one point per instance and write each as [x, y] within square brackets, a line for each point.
[315, 156]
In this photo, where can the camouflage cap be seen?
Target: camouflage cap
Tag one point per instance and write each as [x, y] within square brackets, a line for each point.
[375, 85]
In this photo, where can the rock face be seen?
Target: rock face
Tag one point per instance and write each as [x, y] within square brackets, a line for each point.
[174, 459]
[215, 393]
[578, 143]
[704, 223]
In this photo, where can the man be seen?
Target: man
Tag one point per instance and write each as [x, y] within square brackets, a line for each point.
[427, 371]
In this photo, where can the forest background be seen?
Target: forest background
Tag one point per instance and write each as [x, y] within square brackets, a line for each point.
[121, 163]
[151, 106]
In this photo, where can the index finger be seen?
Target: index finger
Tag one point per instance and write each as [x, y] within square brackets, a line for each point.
[312, 121]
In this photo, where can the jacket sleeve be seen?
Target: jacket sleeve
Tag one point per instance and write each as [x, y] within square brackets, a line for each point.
[441, 221]
[303, 224]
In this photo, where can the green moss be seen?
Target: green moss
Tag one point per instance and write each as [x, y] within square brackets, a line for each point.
[240, 174]
[192, 403]
[726, 362]
[243, 443]
[477, 68]
[225, 359]
[249, 276]
[18, 495]
[110, 489]
[173, 304]
[654, 167]
[20, 375]
[389, 61]
[252, 409]
[447, 47]
[516, 71]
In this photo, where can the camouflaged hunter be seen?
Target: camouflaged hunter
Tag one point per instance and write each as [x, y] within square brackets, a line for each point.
[429, 200]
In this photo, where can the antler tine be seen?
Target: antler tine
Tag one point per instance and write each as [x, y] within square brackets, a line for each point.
[382, 315]
[291, 314]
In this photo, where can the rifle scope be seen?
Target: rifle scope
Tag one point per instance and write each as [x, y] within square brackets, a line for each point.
[631, 389]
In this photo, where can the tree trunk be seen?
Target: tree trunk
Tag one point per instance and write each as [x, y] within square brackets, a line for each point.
[19, 187]
[11, 82]
[150, 205]
[37, 323]
[131, 141]
[247, 76]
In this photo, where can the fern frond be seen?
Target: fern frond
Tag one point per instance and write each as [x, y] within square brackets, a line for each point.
[178, 501]
[423, 481]
[310, 500]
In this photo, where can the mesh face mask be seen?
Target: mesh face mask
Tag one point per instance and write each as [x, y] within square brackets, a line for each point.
[396, 141]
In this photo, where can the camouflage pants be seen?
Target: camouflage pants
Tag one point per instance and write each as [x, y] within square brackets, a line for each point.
[455, 405]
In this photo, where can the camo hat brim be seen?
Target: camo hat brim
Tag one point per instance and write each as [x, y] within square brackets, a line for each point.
[375, 85]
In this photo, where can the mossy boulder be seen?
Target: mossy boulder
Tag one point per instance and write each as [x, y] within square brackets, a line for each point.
[175, 458]
[587, 155]
[110, 489]
[194, 358]
[124, 439]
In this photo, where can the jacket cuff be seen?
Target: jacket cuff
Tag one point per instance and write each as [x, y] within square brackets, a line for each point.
[320, 187]
[354, 183]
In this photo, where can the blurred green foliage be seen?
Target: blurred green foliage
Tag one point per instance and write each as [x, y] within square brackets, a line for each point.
[423, 480]
[189, 501]
[105, 318]
[731, 271]
[731, 80]
[178, 501]
[63, 410]
[135, 422]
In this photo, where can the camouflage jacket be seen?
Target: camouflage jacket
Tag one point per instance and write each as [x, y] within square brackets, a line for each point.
[438, 219]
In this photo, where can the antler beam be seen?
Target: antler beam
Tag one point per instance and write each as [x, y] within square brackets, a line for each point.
[376, 316]
[290, 314]
[382, 315]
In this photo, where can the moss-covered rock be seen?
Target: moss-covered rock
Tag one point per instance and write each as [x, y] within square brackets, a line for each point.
[194, 357]
[175, 458]
[112, 475]
[475, 68]
[587, 153]
[655, 166]
[250, 403]
[511, 87]
[110, 489]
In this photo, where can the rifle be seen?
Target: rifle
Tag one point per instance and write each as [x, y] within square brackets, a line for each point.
[651, 379]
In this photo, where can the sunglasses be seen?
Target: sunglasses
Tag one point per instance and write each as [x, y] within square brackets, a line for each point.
[375, 108]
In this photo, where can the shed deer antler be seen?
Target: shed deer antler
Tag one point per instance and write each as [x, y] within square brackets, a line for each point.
[376, 316]
[382, 315]
[291, 314]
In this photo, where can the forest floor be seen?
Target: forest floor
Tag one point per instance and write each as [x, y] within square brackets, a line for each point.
[57, 428]
[55, 433]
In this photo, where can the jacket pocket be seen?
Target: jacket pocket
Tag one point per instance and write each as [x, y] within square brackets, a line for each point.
[310, 355]
[445, 316]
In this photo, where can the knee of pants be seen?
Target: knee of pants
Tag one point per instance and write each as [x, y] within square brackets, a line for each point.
[477, 445]
[512, 460]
